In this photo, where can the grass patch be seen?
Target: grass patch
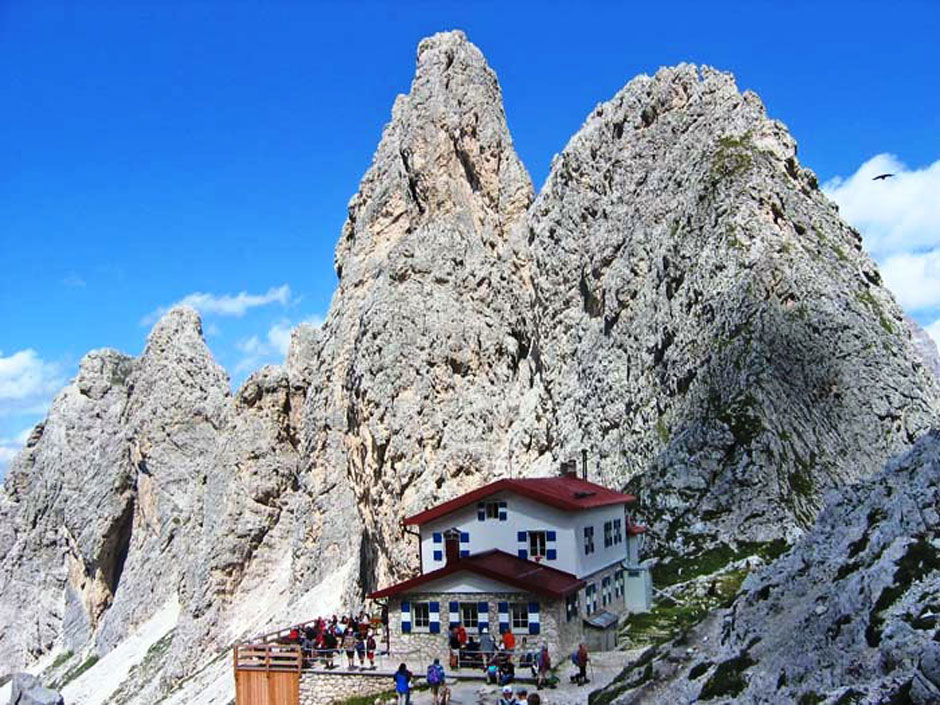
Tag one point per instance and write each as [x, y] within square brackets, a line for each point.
[385, 696]
[728, 678]
[866, 298]
[661, 430]
[75, 672]
[60, 659]
[732, 157]
[713, 560]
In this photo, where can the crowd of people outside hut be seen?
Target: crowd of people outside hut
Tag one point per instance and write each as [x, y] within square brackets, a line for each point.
[327, 640]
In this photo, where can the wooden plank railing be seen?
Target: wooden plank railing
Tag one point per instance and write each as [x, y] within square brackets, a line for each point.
[268, 657]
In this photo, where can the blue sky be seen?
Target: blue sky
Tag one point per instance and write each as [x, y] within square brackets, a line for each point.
[153, 152]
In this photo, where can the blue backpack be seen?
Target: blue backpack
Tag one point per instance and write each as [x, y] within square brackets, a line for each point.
[435, 674]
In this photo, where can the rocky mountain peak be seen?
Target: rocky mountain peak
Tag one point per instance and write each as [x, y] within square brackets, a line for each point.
[447, 152]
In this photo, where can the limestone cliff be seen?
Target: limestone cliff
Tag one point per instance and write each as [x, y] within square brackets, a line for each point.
[709, 328]
[424, 361]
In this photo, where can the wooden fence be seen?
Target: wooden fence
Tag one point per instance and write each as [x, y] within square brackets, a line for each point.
[268, 657]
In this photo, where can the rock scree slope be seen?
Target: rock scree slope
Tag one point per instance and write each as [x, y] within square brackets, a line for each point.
[680, 299]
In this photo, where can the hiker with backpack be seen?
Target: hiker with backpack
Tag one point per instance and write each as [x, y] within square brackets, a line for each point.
[435, 679]
[581, 661]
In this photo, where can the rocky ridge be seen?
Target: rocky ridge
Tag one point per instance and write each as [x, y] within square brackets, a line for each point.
[850, 614]
[680, 299]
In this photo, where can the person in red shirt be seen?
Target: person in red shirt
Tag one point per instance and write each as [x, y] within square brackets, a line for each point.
[509, 641]
[461, 635]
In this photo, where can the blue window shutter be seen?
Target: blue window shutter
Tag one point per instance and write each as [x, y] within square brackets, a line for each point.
[523, 554]
[437, 537]
[464, 553]
[535, 621]
[453, 610]
[502, 505]
[464, 537]
[434, 613]
[550, 536]
[502, 511]
[551, 554]
[438, 556]
[503, 608]
[481, 511]
[520, 536]
[406, 617]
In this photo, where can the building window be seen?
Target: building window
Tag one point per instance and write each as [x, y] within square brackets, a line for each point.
[420, 616]
[519, 615]
[605, 591]
[618, 531]
[492, 510]
[608, 534]
[590, 598]
[469, 615]
[571, 606]
[536, 543]
[618, 584]
[588, 540]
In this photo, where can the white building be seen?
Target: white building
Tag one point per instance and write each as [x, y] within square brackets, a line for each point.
[539, 556]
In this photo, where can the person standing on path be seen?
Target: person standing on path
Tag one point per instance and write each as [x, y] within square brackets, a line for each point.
[581, 659]
[403, 684]
[435, 679]
[507, 697]
[545, 665]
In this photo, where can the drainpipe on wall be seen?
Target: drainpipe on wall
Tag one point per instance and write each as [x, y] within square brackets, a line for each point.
[405, 530]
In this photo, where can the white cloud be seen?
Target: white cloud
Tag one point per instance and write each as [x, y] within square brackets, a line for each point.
[225, 304]
[900, 214]
[899, 219]
[27, 383]
[914, 279]
[273, 348]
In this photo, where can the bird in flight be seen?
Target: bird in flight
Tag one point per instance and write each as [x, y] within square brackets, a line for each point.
[882, 177]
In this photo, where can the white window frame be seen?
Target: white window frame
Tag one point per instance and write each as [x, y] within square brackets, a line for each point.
[605, 590]
[516, 612]
[534, 542]
[618, 583]
[421, 612]
[469, 615]
[493, 507]
[618, 531]
[608, 534]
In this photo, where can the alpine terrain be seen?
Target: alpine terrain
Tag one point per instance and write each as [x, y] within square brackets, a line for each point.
[680, 300]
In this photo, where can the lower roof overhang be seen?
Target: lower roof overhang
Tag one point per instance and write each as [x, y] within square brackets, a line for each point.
[524, 575]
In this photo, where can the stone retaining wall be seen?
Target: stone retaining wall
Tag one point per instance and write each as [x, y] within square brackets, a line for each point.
[325, 688]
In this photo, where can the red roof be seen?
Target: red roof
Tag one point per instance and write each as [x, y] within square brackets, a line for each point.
[498, 565]
[567, 492]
